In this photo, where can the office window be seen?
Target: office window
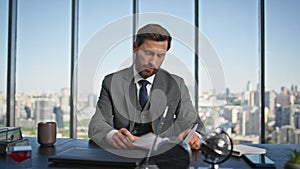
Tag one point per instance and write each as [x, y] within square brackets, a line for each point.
[43, 65]
[178, 18]
[229, 61]
[282, 102]
[105, 46]
[3, 59]
[230, 88]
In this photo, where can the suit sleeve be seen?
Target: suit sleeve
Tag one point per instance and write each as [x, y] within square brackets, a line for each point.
[102, 121]
[187, 116]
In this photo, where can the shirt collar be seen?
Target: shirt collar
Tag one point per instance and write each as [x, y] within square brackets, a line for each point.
[138, 77]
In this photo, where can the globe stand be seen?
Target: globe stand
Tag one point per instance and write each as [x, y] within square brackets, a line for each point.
[215, 148]
[213, 166]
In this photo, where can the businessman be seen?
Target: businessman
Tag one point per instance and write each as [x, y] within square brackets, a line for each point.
[133, 100]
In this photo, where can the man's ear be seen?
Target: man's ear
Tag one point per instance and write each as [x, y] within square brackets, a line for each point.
[134, 47]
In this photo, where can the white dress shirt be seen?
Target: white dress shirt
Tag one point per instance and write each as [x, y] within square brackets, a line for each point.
[137, 78]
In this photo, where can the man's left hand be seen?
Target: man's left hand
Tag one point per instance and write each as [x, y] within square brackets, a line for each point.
[194, 142]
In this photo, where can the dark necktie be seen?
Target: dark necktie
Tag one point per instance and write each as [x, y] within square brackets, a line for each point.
[143, 93]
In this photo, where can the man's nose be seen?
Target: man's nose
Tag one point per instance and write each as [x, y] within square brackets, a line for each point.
[152, 60]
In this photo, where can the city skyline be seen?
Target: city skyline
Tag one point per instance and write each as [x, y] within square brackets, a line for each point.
[241, 119]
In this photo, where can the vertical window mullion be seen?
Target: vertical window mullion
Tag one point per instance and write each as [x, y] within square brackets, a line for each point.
[262, 68]
[196, 61]
[135, 17]
[74, 69]
[11, 63]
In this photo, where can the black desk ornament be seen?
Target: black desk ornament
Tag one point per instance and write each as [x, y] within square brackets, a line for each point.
[216, 147]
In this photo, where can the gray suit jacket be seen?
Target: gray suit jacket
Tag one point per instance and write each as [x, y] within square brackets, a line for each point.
[118, 106]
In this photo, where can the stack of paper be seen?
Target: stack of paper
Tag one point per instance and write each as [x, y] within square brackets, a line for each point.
[240, 149]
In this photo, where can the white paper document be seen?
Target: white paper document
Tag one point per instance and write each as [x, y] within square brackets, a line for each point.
[240, 149]
[145, 141]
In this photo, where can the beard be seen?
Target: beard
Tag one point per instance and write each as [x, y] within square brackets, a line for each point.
[145, 73]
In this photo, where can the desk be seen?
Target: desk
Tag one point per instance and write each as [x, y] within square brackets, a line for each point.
[277, 152]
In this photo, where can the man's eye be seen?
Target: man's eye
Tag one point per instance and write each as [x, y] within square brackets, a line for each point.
[161, 55]
[148, 52]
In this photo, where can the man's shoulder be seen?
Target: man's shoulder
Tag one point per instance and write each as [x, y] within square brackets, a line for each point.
[167, 74]
[121, 73]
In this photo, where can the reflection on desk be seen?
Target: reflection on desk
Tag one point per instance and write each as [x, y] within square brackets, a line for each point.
[276, 152]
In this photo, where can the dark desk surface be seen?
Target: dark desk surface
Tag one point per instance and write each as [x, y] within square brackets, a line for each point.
[277, 152]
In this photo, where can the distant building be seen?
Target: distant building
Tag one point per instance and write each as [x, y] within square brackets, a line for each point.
[59, 116]
[249, 86]
[253, 122]
[242, 139]
[65, 100]
[242, 123]
[284, 116]
[297, 120]
[227, 92]
[257, 98]
[254, 99]
[246, 99]
[284, 109]
[28, 112]
[284, 99]
[270, 100]
[297, 136]
[286, 135]
[294, 89]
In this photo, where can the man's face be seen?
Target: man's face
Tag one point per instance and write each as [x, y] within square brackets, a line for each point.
[149, 56]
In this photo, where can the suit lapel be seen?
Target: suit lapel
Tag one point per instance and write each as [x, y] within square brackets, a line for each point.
[130, 91]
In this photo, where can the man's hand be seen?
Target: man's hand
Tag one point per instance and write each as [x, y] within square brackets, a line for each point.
[194, 141]
[123, 139]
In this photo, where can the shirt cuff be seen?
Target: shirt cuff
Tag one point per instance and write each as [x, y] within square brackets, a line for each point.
[199, 135]
[109, 136]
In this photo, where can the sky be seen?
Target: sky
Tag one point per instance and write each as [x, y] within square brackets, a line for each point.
[229, 27]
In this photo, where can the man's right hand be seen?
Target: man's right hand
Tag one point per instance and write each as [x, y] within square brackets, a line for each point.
[123, 139]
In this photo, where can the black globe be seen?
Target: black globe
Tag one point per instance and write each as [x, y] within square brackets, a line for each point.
[216, 147]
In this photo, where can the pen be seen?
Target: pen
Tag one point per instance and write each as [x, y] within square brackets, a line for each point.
[188, 137]
[162, 120]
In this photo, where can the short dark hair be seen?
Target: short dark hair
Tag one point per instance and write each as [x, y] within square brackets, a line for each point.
[153, 32]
